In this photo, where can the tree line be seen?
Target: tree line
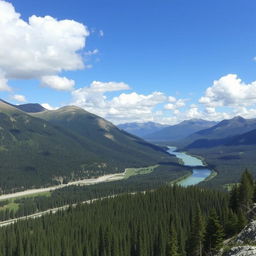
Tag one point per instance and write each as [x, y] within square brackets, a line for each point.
[170, 221]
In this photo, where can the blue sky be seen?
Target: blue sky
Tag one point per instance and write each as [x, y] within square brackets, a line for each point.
[151, 60]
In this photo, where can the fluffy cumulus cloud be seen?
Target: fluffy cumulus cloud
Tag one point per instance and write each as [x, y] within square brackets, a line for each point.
[39, 47]
[57, 82]
[230, 91]
[228, 97]
[126, 106]
[174, 104]
[19, 98]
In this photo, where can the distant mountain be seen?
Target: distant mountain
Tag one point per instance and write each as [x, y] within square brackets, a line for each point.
[141, 129]
[218, 134]
[29, 107]
[179, 131]
[53, 146]
[248, 138]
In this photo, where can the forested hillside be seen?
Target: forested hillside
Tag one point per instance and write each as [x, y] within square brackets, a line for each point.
[73, 144]
[171, 221]
[142, 224]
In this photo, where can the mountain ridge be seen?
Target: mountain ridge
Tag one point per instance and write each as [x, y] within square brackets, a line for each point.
[180, 130]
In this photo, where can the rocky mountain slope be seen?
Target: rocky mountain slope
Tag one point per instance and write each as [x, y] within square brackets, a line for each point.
[244, 244]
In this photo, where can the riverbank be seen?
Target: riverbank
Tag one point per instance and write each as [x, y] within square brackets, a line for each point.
[200, 172]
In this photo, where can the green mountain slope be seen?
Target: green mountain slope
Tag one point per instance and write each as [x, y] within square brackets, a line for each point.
[73, 144]
[220, 131]
[102, 137]
[28, 107]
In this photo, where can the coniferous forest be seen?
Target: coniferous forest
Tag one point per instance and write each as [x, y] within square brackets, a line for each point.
[168, 221]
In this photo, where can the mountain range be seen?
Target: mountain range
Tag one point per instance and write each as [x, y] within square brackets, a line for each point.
[224, 133]
[54, 146]
[142, 129]
[179, 131]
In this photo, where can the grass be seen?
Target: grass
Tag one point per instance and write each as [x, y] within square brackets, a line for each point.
[139, 171]
[12, 206]
[47, 194]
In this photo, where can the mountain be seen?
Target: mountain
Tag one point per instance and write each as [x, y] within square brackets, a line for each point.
[228, 148]
[48, 147]
[110, 140]
[29, 107]
[141, 129]
[179, 131]
[218, 134]
[248, 138]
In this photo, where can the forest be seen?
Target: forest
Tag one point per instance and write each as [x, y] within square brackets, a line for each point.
[161, 176]
[171, 220]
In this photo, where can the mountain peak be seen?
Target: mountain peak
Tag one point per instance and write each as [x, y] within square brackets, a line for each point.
[29, 107]
[239, 119]
[70, 108]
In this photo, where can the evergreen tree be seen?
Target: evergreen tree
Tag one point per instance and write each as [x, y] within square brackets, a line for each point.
[246, 191]
[241, 220]
[195, 243]
[234, 198]
[231, 225]
[173, 244]
[214, 234]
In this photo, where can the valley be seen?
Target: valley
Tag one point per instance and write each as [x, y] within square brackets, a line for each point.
[199, 171]
[102, 164]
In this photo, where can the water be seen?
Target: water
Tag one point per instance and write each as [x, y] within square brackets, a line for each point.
[198, 175]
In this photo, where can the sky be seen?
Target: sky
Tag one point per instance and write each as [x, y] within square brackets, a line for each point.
[163, 61]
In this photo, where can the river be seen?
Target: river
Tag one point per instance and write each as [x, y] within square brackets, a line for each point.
[198, 174]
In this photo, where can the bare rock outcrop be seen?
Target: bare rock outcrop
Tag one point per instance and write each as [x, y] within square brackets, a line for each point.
[241, 251]
[247, 235]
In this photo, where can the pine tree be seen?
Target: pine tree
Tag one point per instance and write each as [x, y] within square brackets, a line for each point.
[242, 220]
[234, 198]
[214, 234]
[173, 244]
[246, 191]
[195, 243]
[231, 226]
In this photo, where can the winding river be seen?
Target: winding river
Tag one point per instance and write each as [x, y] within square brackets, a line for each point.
[198, 174]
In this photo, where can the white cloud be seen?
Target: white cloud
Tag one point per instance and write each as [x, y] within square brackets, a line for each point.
[98, 86]
[175, 104]
[126, 106]
[41, 46]
[19, 98]
[134, 100]
[58, 83]
[230, 91]
[172, 99]
[4, 83]
[48, 106]
[93, 52]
